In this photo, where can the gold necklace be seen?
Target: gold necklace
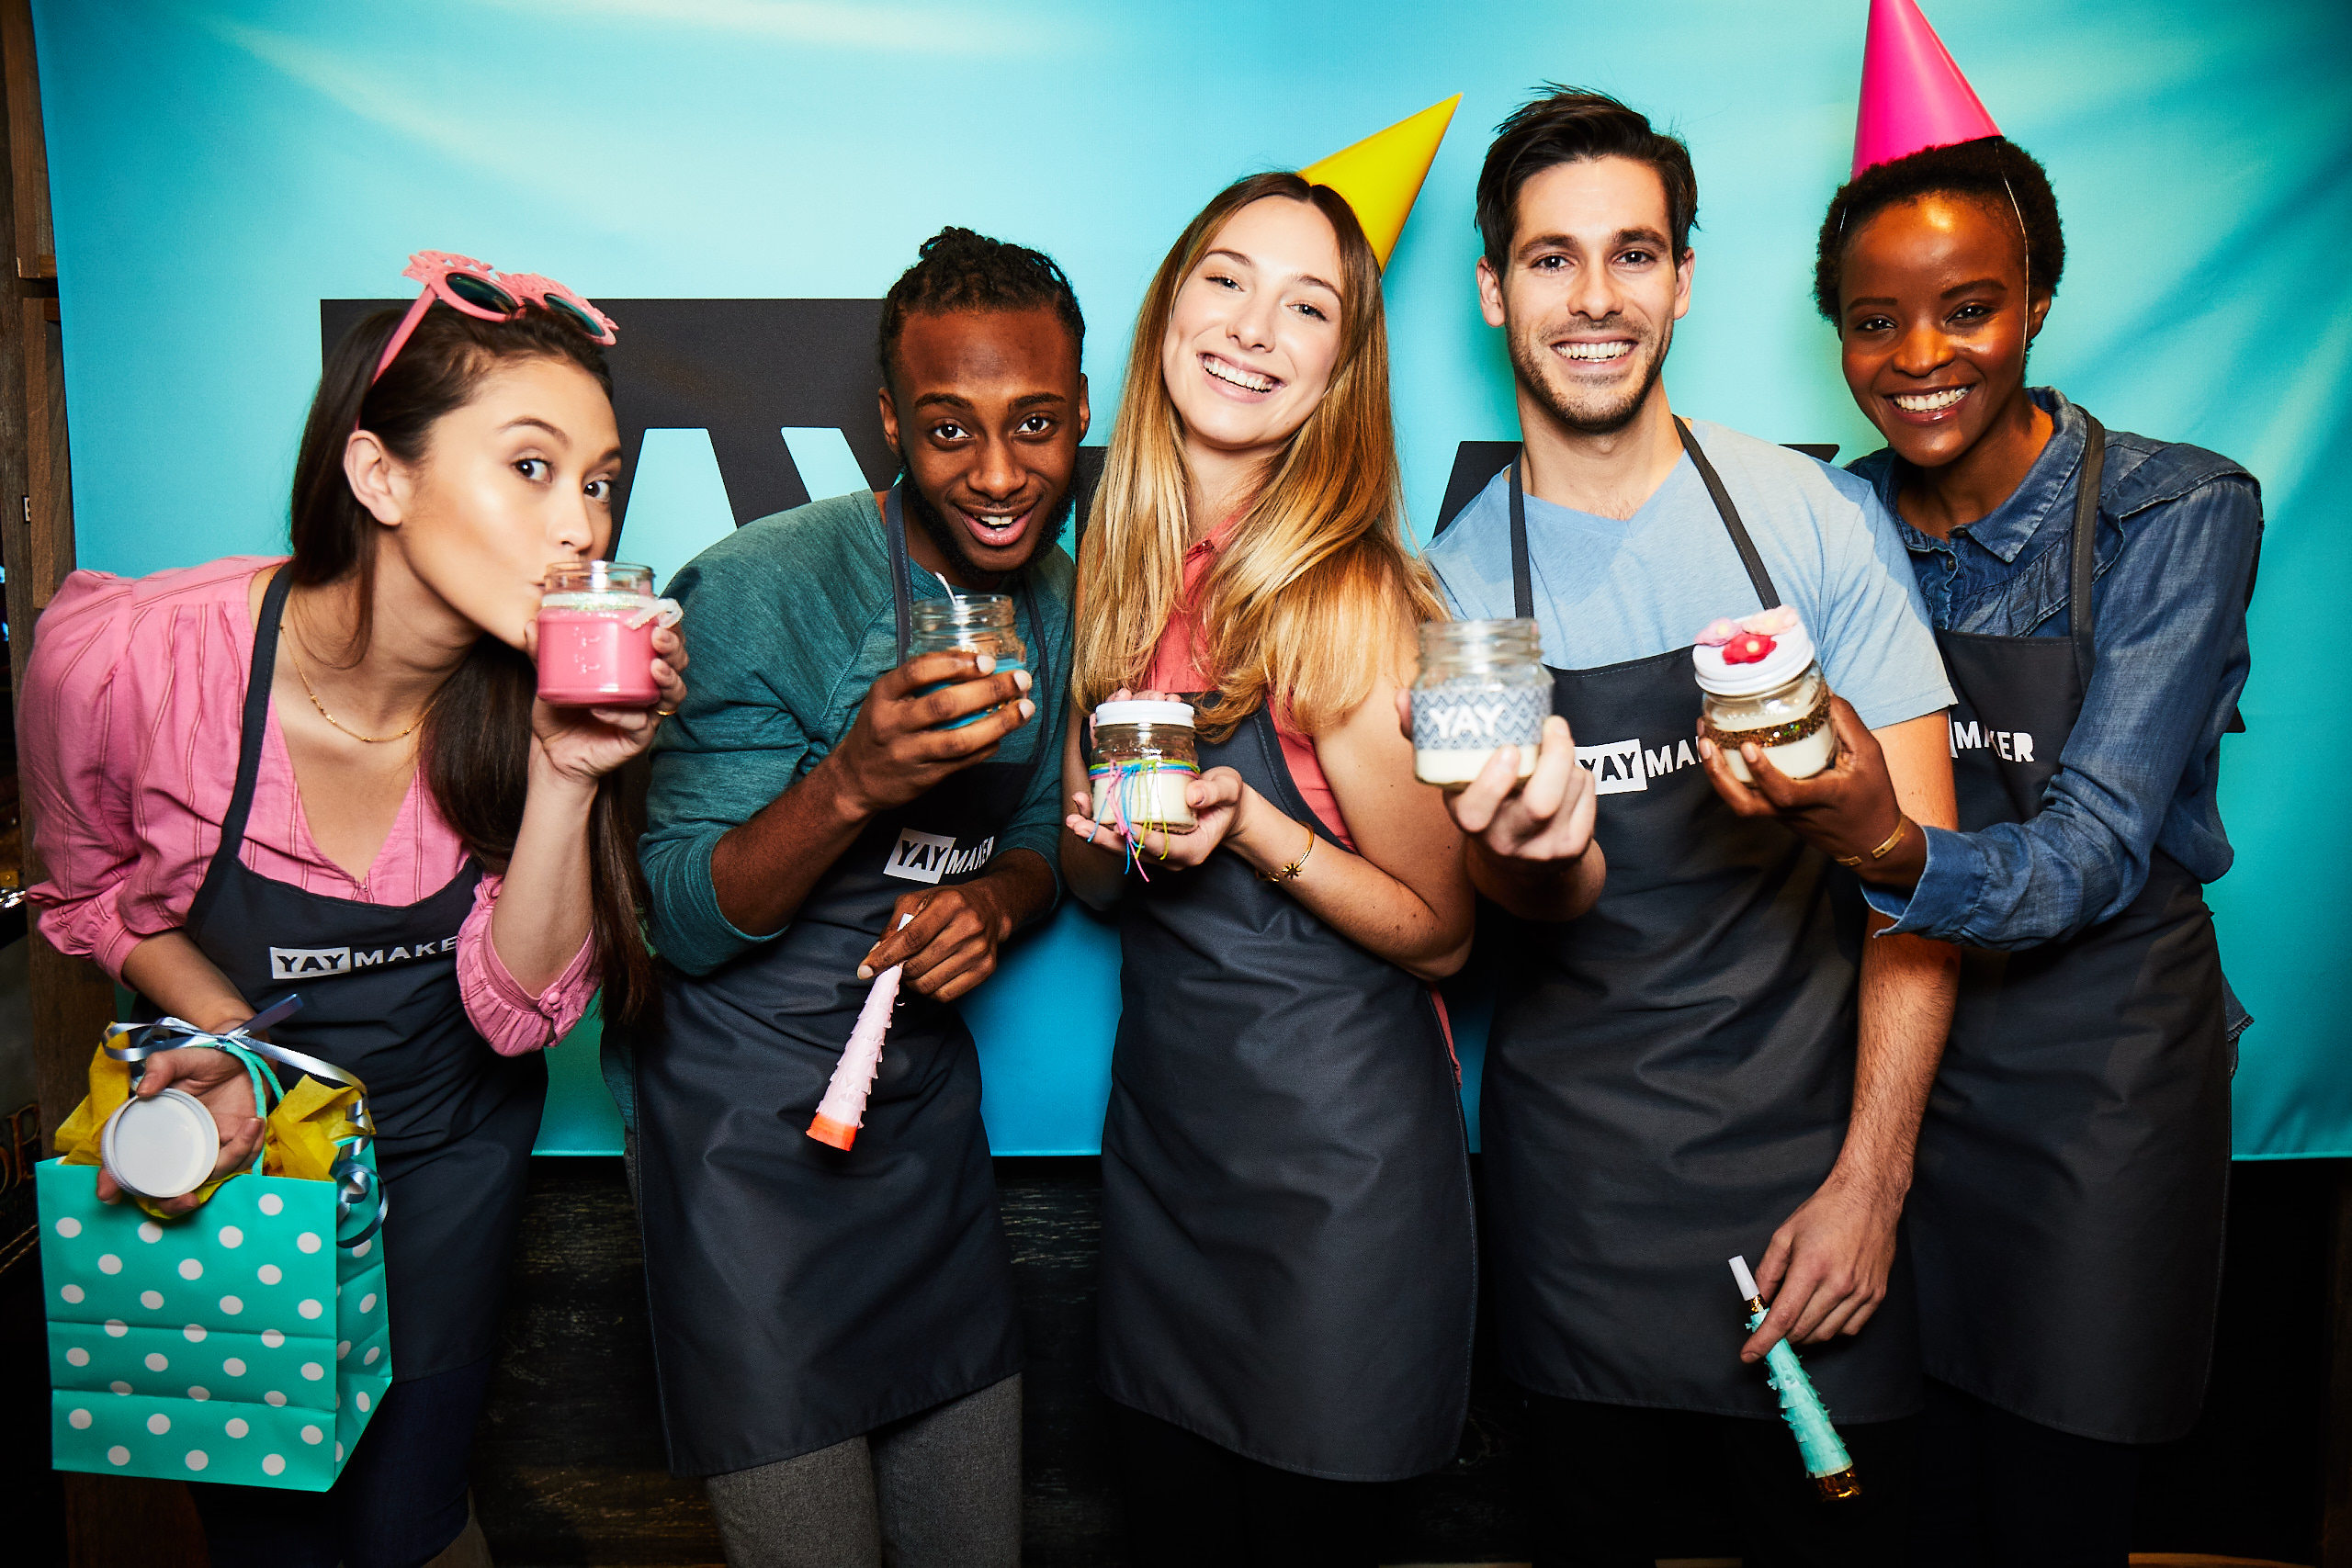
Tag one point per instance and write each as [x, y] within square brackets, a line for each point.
[370, 740]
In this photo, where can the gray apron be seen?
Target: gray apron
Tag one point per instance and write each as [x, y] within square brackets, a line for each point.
[455, 1120]
[1670, 1074]
[1288, 1250]
[802, 1295]
[2073, 1165]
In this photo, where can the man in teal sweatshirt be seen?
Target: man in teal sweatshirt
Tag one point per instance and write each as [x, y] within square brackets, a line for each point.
[835, 1330]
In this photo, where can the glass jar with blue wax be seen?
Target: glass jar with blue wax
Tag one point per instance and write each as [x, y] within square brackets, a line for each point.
[975, 622]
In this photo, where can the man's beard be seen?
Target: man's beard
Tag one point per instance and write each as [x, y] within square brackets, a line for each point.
[1533, 359]
[953, 542]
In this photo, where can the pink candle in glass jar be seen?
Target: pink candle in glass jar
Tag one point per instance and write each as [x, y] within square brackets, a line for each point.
[596, 622]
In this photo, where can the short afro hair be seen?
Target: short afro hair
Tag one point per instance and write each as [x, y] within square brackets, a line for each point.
[1574, 125]
[960, 270]
[1992, 172]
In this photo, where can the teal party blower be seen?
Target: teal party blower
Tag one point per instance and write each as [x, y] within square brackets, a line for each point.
[1825, 1458]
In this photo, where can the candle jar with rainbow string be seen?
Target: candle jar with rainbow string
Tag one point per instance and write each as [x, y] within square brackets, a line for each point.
[1145, 756]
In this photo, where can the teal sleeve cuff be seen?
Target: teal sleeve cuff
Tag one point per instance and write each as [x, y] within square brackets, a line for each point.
[688, 928]
[1047, 844]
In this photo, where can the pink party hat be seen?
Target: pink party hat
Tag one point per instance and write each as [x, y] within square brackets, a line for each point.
[1914, 98]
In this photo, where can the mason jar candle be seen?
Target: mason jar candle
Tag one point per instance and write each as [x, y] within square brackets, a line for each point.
[1482, 685]
[975, 622]
[1766, 688]
[596, 636]
[1145, 756]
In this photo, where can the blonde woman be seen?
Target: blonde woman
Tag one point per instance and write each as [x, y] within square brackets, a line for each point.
[1288, 1271]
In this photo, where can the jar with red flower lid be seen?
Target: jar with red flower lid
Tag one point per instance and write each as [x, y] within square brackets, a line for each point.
[1764, 687]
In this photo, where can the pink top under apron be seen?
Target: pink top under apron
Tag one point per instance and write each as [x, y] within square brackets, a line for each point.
[1176, 668]
[131, 720]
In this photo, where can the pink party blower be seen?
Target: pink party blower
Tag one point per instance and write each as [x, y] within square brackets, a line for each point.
[596, 621]
[843, 1111]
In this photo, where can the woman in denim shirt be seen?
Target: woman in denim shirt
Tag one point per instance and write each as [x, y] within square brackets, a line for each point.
[2065, 1217]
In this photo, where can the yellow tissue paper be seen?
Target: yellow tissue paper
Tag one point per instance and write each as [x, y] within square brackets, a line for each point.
[301, 1139]
[77, 1139]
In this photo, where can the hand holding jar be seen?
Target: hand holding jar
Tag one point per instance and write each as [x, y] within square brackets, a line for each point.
[1146, 798]
[1848, 811]
[1480, 720]
[1777, 742]
[1482, 687]
[1765, 692]
[964, 687]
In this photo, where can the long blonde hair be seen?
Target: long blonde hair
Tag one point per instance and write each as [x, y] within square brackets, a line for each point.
[1310, 600]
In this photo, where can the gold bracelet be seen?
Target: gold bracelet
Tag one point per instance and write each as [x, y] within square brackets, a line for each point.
[1290, 872]
[1902, 826]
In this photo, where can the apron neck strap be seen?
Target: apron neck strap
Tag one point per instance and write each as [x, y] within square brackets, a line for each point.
[1760, 580]
[1522, 585]
[2079, 615]
[256, 719]
[1522, 581]
[249, 744]
[902, 587]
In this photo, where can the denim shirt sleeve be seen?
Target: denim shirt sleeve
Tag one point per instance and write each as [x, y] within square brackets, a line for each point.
[2170, 636]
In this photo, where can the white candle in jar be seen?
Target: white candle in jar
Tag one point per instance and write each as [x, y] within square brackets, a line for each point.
[1148, 797]
[1767, 688]
[1451, 767]
[1481, 686]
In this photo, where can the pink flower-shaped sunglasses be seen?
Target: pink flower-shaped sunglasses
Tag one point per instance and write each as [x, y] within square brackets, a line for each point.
[464, 283]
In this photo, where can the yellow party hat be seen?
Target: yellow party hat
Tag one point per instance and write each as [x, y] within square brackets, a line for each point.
[1381, 174]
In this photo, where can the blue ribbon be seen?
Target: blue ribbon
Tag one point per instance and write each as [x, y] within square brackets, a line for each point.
[354, 1182]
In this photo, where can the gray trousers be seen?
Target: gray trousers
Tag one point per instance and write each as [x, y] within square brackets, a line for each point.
[937, 1490]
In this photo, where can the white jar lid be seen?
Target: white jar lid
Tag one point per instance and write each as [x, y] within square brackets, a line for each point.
[1144, 712]
[1791, 651]
[161, 1147]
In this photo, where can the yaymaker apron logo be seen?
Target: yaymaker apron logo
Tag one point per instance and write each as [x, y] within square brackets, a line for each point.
[1617, 766]
[927, 857]
[2013, 745]
[314, 962]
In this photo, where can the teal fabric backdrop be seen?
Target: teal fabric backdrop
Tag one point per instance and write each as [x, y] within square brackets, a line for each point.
[217, 169]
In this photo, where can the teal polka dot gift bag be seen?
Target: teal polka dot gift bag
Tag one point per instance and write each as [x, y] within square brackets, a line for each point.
[244, 1342]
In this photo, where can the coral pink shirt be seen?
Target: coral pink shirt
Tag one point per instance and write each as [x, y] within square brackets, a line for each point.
[1175, 667]
[129, 725]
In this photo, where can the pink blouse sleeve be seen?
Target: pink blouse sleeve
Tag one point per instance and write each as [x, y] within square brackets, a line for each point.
[510, 1018]
[79, 729]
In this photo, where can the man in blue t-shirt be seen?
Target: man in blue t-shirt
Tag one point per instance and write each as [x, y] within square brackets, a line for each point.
[1699, 1055]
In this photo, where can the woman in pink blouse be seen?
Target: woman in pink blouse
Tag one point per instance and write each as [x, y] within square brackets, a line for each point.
[328, 775]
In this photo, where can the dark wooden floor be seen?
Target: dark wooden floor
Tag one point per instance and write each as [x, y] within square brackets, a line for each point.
[570, 1465]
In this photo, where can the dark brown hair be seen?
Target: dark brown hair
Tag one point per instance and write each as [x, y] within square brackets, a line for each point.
[1572, 125]
[477, 739]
